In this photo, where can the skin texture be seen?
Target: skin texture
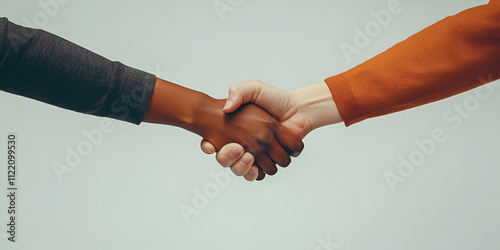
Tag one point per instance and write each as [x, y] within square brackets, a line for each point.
[255, 130]
[301, 111]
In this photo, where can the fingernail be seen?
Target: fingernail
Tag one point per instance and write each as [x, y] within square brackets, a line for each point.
[300, 149]
[205, 150]
[229, 102]
[252, 171]
[234, 152]
[287, 162]
[246, 159]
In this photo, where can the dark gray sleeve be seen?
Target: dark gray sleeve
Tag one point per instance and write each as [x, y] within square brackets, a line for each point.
[45, 67]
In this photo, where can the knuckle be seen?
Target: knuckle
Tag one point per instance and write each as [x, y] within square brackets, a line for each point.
[266, 136]
[259, 83]
[256, 83]
[233, 89]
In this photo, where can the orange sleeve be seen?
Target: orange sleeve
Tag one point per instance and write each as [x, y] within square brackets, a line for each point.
[444, 59]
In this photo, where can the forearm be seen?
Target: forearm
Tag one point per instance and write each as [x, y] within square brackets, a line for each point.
[442, 60]
[175, 105]
[45, 67]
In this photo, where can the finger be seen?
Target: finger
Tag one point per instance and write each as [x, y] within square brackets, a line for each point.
[242, 166]
[242, 93]
[266, 164]
[207, 147]
[229, 154]
[260, 175]
[278, 154]
[290, 141]
[252, 174]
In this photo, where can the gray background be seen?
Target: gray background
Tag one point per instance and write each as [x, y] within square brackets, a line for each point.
[127, 193]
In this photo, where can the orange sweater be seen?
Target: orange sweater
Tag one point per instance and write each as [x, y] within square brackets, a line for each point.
[442, 60]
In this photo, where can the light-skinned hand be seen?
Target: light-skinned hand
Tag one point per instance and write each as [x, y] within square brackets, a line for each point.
[301, 111]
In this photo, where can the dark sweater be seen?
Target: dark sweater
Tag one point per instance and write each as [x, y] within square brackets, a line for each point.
[45, 67]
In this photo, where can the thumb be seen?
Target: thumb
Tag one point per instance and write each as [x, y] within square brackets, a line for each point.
[242, 93]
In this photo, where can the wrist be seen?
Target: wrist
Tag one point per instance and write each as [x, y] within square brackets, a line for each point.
[172, 104]
[316, 103]
[207, 111]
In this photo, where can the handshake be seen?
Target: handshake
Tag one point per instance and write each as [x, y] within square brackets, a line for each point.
[255, 128]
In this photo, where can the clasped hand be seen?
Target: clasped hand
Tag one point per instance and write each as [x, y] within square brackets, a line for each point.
[257, 127]
[300, 111]
[258, 133]
[266, 141]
